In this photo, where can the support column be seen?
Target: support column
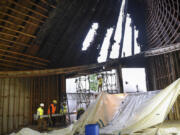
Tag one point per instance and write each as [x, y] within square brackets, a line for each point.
[132, 43]
[123, 28]
[120, 79]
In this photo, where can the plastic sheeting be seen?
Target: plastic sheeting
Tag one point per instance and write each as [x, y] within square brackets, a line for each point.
[126, 114]
[127, 111]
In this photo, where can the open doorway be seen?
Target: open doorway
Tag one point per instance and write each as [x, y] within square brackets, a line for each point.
[134, 79]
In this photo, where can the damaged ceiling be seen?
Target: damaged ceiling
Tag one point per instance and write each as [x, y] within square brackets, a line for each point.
[42, 34]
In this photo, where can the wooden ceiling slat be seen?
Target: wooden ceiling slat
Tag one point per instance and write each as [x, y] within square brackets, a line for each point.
[15, 42]
[38, 6]
[10, 46]
[25, 15]
[20, 63]
[48, 4]
[20, 19]
[12, 66]
[7, 34]
[33, 11]
[25, 34]
[12, 23]
[22, 59]
[25, 55]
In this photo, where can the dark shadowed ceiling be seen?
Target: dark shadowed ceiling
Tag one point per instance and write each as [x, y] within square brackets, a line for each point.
[38, 34]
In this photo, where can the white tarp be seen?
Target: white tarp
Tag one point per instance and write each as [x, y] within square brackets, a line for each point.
[127, 113]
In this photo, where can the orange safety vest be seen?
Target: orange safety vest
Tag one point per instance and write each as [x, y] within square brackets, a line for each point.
[53, 109]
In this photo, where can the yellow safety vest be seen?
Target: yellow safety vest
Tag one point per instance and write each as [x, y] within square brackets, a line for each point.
[100, 81]
[63, 110]
[40, 112]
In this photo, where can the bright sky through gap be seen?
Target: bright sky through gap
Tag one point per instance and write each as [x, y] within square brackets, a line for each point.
[90, 36]
[117, 37]
[105, 46]
[133, 79]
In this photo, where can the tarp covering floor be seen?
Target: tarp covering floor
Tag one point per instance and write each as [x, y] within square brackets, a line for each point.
[128, 113]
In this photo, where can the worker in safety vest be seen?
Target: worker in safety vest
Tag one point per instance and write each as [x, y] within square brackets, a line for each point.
[52, 110]
[41, 121]
[100, 82]
[63, 112]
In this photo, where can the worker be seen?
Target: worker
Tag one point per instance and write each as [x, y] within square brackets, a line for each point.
[52, 110]
[41, 121]
[80, 111]
[63, 112]
[100, 82]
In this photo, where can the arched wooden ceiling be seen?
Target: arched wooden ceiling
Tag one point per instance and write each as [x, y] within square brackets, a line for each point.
[19, 22]
[39, 34]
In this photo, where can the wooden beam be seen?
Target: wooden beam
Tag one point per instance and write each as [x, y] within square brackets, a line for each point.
[38, 6]
[17, 18]
[48, 4]
[49, 72]
[25, 15]
[12, 67]
[17, 31]
[15, 42]
[29, 9]
[25, 55]
[132, 43]
[22, 59]
[20, 63]
[162, 50]
[12, 23]
[16, 48]
[120, 78]
[7, 34]
[123, 28]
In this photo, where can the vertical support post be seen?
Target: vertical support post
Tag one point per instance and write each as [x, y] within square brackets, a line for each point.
[132, 47]
[123, 27]
[120, 79]
[63, 84]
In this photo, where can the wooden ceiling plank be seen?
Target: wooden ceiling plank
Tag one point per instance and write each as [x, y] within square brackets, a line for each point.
[25, 55]
[25, 34]
[20, 19]
[7, 34]
[11, 66]
[26, 15]
[29, 9]
[38, 6]
[12, 23]
[20, 63]
[10, 46]
[15, 42]
[22, 59]
[48, 4]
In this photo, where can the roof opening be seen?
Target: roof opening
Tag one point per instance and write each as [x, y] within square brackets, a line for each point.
[117, 37]
[90, 36]
[105, 46]
[127, 47]
[127, 50]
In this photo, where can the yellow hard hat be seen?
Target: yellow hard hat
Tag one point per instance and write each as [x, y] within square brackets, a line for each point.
[54, 101]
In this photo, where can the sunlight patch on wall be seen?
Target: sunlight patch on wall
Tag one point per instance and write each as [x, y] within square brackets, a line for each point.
[105, 46]
[90, 36]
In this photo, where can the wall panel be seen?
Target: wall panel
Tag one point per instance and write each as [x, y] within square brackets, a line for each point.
[20, 98]
[162, 70]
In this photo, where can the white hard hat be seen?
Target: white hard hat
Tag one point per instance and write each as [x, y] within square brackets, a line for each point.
[42, 104]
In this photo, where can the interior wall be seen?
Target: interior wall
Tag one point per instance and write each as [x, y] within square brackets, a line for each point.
[162, 70]
[20, 98]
